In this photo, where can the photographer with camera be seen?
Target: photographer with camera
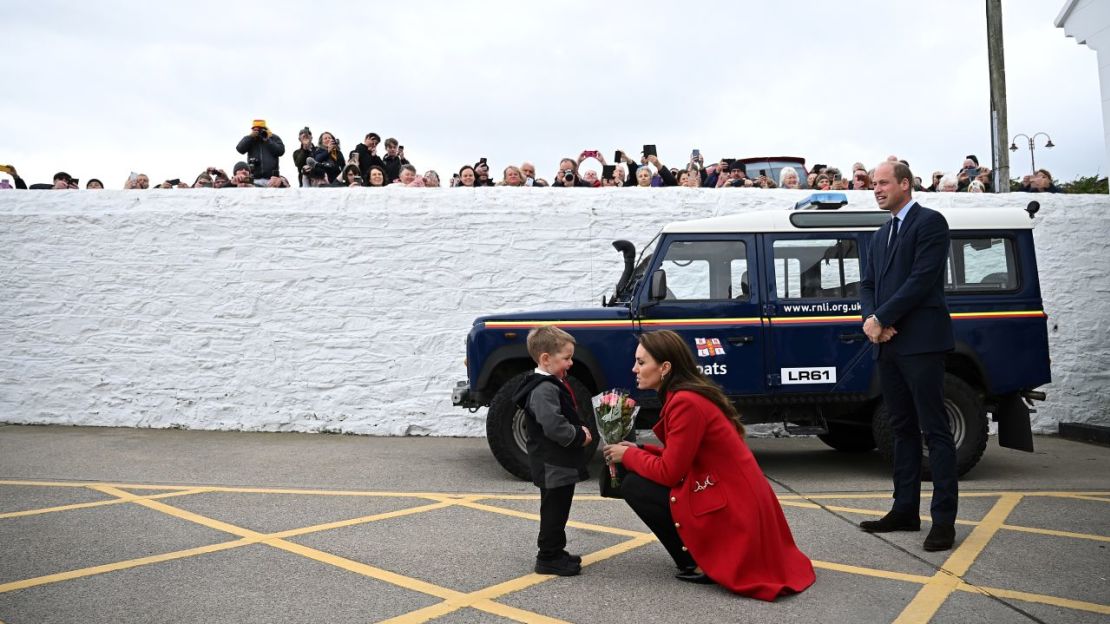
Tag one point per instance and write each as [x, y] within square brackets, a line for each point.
[567, 176]
[327, 162]
[394, 159]
[241, 176]
[303, 153]
[263, 149]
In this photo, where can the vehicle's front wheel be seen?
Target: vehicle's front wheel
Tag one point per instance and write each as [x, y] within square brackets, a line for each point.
[505, 428]
[966, 418]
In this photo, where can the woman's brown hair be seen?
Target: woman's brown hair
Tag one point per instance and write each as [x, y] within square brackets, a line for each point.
[667, 346]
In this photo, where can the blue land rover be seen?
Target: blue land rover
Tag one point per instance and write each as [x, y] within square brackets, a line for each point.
[769, 303]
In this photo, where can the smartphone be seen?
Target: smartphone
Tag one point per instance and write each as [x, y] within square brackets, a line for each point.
[696, 153]
[134, 176]
[649, 150]
[972, 172]
[618, 156]
[358, 179]
[529, 181]
[607, 171]
[481, 160]
[763, 172]
[173, 182]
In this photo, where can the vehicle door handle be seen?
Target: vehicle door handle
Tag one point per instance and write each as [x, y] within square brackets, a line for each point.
[852, 337]
[740, 340]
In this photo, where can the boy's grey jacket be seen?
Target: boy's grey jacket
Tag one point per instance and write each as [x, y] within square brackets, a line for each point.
[554, 428]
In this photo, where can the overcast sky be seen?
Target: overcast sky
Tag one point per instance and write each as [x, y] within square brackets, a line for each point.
[99, 89]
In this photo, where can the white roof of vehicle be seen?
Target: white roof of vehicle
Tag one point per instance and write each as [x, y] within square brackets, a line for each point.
[779, 221]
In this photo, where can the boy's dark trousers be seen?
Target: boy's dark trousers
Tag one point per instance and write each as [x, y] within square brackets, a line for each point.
[554, 513]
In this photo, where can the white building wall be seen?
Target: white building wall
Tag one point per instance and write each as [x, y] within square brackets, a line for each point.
[346, 310]
[1088, 21]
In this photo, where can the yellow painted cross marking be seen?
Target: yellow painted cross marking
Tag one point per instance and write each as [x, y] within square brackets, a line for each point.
[934, 591]
[929, 599]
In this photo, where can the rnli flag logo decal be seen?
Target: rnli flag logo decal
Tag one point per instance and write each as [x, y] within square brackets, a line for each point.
[709, 347]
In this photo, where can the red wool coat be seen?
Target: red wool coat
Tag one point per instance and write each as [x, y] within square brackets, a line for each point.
[724, 509]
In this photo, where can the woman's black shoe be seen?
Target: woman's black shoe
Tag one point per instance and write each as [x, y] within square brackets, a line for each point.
[691, 576]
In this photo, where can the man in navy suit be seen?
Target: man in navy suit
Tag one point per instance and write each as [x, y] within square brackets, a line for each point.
[902, 296]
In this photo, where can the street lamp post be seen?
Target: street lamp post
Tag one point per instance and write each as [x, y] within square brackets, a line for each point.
[1032, 161]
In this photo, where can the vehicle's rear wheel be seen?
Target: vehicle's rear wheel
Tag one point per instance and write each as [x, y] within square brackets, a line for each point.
[505, 428]
[966, 418]
[849, 438]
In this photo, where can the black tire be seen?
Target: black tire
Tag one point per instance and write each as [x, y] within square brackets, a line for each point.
[505, 430]
[848, 438]
[966, 417]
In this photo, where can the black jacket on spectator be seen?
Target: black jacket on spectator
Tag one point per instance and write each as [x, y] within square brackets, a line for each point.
[325, 164]
[299, 158]
[392, 167]
[366, 160]
[267, 150]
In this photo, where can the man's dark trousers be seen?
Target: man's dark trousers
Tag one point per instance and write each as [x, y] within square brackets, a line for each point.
[913, 391]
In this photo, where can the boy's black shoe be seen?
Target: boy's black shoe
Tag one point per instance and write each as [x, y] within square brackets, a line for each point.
[941, 537]
[893, 521]
[563, 566]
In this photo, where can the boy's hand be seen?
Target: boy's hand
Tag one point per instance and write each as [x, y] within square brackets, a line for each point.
[589, 436]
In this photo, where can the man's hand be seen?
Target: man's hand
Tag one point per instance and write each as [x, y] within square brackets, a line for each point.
[872, 329]
[254, 133]
[589, 436]
[653, 159]
[887, 334]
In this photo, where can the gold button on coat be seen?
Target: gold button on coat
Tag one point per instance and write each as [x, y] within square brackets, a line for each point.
[677, 525]
[684, 549]
[673, 499]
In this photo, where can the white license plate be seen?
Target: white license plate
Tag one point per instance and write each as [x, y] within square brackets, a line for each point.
[816, 375]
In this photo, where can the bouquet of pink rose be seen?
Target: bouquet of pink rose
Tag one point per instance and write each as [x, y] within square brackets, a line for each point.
[615, 413]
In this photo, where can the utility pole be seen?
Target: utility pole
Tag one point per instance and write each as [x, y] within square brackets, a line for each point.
[1000, 156]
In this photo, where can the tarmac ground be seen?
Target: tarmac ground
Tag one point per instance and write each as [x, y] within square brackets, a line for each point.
[140, 525]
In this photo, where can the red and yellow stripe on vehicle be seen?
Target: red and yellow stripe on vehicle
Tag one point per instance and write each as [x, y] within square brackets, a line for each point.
[754, 320]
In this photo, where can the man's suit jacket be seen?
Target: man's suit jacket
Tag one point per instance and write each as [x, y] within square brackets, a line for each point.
[904, 286]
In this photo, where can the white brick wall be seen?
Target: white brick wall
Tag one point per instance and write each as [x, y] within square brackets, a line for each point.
[346, 310]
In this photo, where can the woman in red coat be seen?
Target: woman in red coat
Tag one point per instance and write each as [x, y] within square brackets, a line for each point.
[702, 493]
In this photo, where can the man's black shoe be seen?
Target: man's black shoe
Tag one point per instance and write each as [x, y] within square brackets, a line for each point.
[563, 566]
[575, 558]
[941, 537]
[893, 521]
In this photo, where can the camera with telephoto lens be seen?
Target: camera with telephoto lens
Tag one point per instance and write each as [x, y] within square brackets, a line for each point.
[568, 175]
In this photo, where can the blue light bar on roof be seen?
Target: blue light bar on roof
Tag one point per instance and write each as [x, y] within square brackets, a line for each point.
[822, 201]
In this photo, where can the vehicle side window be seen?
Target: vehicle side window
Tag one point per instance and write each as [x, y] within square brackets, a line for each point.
[816, 269]
[701, 270]
[981, 264]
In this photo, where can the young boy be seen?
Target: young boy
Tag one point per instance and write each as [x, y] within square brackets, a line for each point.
[556, 436]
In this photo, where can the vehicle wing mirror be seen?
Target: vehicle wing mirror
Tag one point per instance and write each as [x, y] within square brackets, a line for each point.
[657, 289]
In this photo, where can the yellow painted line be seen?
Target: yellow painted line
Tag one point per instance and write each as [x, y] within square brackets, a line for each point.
[362, 520]
[1055, 601]
[929, 599]
[483, 599]
[177, 512]
[311, 553]
[1055, 533]
[536, 517]
[101, 503]
[81, 484]
[366, 570]
[120, 565]
[872, 572]
[1088, 498]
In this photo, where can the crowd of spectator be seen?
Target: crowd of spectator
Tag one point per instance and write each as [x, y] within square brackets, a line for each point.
[323, 163]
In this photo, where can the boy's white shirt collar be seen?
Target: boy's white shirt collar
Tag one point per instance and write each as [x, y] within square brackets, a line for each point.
[542, 371]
